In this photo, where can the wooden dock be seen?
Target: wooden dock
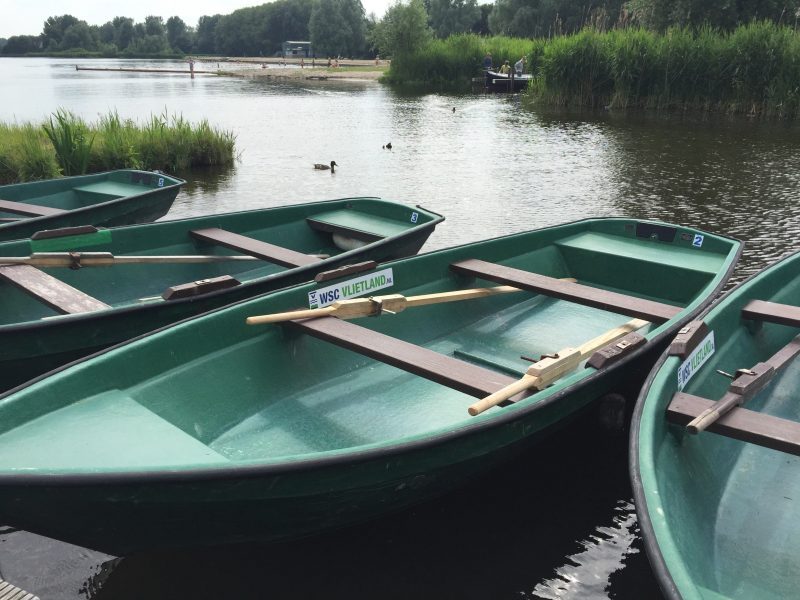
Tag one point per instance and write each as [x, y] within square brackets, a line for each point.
[12, 592]
[137, 70]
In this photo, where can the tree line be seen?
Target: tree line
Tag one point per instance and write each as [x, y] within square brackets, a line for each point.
[341, 27]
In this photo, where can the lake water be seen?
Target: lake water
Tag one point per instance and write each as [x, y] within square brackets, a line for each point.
[556, 523]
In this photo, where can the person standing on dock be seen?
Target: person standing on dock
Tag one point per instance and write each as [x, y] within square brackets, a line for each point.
[519, 66]
[487, 62]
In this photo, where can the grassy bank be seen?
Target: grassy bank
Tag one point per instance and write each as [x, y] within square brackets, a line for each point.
[754, 69]
[67, 145]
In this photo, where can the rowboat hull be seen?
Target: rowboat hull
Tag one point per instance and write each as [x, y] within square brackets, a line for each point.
[223, 431]
[498, 82]
[717, 513]
[109, 199]
[35, 338]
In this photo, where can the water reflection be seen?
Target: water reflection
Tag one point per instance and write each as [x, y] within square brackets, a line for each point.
[604, 553]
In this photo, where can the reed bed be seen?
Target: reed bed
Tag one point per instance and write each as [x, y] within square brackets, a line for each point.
[454, 61]
[754, 69]
[67, 145]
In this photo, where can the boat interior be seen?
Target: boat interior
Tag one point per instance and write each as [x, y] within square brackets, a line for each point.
[729, 493]
[262, 246]
[214, 390]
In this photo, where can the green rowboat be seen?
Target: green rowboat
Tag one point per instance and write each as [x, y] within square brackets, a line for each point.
[217, 430]
[114, 198]
[75, 291]
[717, 507]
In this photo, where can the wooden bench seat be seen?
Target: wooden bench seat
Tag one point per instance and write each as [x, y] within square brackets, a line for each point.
[740, 423]
[451, 372]
[566, 290]
[112, 189]
[60, 296]
[356, 224]
[29, 210]
[772, 312]
[246, 245]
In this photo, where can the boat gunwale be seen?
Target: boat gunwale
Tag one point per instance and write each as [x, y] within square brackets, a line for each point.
[250, 471]
[116, 311]
[652, 548]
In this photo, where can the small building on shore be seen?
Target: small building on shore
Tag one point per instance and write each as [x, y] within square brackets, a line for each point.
[297, 49]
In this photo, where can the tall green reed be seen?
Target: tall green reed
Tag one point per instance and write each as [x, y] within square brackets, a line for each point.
[754, 69]
[72, 141]
[165, 142]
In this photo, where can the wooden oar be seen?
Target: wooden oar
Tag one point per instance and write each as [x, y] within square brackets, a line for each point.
[546, 371]
[746, 383]
[105, 259]
[376, 305]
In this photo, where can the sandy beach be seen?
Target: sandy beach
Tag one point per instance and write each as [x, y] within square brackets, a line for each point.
[290, 68]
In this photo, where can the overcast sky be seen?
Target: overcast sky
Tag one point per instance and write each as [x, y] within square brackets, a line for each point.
[25, 17]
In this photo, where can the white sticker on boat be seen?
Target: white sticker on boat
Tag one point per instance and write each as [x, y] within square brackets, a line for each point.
[695, 360]
[414, 217]
[160, 182]
[351, 288]
[698, 240]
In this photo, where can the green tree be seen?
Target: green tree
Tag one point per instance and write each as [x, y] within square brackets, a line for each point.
[481, 26]
[204, 41]
[338, 27]
[154, 26]
[22, 44]
[106, 33]
[722, 14]
[403, 29]
[448, 17]
[179, 35]
[123, 31]
[286, 20]
[54, 28]
[240, 33]
[79, 36]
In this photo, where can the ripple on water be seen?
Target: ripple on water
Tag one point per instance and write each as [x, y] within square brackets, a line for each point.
[586, 574]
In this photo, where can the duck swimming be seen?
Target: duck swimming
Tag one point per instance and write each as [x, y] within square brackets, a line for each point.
[321, 167]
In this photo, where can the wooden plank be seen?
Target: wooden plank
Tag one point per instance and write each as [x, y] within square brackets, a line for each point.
[9, 591]
[566, 290]
[55, 293]
[345, 271]
[772, 312]
[29, 210]
[46, 234]
[746, 383]
[197, 288]
[740, 423]
[263, 250]
[451, 372]
[327, 227]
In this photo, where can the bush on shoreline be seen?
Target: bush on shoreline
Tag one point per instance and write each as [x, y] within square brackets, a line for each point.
[167, 143]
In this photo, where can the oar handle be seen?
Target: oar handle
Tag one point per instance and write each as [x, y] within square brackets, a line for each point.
[291, 315]
[512, 389]
[710, 415]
